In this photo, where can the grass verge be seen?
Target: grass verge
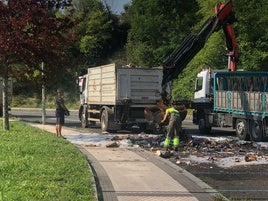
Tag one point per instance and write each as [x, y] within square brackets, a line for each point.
[23, 101]
[36, 165]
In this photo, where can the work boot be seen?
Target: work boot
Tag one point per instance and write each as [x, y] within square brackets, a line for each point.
[176, 142]
[167, 142]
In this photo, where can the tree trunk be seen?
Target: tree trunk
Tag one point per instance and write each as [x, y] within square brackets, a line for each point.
[5, 97]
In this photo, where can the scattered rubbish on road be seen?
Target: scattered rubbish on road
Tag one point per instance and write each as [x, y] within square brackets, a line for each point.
[221, 151]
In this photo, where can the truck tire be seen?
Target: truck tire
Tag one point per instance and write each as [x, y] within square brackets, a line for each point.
[241, 129]
[256, 131]
[104, 120]
[202, 127]
[84, 117]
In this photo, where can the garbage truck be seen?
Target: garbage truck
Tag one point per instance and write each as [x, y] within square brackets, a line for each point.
[116, 96]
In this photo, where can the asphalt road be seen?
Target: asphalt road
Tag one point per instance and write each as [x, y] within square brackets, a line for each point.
[72, 121]
[244, 183]
[35, 115]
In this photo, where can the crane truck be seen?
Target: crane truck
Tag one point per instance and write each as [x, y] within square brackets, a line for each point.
[229, 98]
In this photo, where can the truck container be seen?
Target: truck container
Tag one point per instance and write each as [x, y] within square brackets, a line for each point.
[116, 96]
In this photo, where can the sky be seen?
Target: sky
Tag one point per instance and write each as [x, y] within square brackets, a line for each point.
[117, 6]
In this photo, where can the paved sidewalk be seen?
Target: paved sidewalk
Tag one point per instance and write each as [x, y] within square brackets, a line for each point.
[133, 174]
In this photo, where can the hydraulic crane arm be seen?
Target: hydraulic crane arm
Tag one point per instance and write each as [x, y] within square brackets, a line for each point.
[181, 56]
[232, 48]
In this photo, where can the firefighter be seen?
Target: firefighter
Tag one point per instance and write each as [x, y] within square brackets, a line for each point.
[173, 128]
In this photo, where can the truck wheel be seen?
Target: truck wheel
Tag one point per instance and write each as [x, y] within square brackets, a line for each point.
[256, 131]
[84, 117]
[202, 127]
[104, 120]
[241, 129]
[107, 121]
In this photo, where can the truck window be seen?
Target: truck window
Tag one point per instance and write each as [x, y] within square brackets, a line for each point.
[82, 84]
[198, 83]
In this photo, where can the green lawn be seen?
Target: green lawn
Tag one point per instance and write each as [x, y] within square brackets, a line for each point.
[36, 165]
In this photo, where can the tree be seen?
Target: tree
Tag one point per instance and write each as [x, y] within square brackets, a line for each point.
[100, 34]
[93, 30]
[252, 26]
[31, 32]
[157, 27]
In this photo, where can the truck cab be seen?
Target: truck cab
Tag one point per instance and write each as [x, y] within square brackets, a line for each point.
[203, 86]
[82, 88]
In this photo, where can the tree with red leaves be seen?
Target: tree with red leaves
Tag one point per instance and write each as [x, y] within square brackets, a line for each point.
[32, 32]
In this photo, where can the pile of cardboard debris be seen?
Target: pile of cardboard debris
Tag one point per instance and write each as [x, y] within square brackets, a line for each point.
[222, 151]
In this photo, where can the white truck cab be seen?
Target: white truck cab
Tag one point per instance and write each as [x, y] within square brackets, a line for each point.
[203, 86]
